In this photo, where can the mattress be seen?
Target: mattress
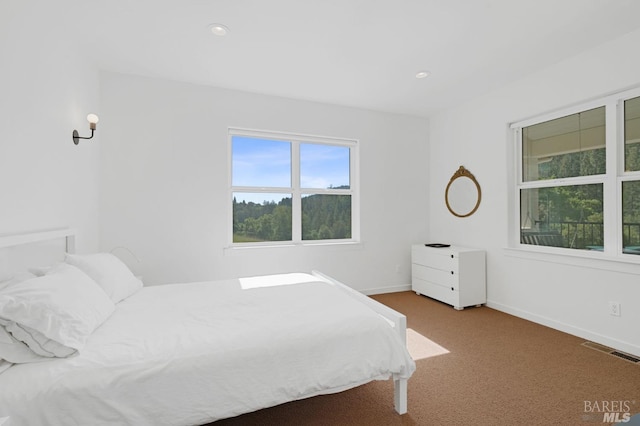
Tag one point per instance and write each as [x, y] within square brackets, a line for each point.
[189, 354]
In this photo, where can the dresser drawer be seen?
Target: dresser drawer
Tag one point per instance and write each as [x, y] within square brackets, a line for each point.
[445, 260]
[437, 276]
[435, 291]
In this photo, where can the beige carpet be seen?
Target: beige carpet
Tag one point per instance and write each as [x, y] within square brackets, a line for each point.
[476, 367]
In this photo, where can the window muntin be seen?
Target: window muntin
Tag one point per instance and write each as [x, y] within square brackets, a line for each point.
[293, 189]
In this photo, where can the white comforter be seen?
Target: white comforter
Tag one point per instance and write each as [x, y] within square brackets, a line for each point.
[188, 354]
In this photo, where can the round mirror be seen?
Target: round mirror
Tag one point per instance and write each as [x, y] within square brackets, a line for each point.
[463, 193]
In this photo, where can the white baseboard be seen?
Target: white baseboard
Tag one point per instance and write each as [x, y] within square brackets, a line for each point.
[383, 290]
[568, 328]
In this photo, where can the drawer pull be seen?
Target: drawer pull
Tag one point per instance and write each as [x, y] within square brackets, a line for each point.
[452, 256]
[451, 272]
[451, 288]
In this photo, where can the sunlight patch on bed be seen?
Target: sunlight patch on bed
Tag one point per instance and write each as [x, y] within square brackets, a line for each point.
[421, 347]
[275, 280]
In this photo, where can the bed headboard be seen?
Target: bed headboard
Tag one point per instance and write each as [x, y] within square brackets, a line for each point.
[20, 251]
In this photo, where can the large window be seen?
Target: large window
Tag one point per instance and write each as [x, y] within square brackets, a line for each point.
[631, 186]
[579, 178]
[292, 189]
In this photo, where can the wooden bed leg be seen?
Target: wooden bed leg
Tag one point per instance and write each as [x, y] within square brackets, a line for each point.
[400, 395]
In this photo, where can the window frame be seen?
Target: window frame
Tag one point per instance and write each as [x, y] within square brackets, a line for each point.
[296, 191]
[611, 180]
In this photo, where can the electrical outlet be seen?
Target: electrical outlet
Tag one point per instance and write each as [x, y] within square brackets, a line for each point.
[614, 309]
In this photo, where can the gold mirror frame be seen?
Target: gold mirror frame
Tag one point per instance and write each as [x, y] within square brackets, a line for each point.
[463, 173]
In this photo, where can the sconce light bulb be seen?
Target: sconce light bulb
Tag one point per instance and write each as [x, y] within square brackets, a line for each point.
[92, 118]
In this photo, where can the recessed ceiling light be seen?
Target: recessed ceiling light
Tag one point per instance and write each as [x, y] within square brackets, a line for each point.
[218, 29]
[422, 74]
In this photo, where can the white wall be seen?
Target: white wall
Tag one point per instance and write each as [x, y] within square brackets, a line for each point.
[46, 90]
[568, 295]
[165, 182]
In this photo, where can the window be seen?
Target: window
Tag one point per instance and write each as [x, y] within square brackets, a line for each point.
[578, 182]
[292, 189]
[631, 186]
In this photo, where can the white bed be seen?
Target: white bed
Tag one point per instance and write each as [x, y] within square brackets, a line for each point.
[189, 354]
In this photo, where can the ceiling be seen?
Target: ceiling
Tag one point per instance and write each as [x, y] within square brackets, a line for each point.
[359, 53]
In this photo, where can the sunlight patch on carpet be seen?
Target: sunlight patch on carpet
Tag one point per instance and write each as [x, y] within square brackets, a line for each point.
[421, 347]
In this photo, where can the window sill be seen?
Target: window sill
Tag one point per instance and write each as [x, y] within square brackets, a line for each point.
[238, 250]
[629, 264]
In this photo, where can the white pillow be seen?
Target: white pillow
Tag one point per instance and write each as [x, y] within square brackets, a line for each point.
[14, 351]
[64, 306]
[37, 342]
[110, 272]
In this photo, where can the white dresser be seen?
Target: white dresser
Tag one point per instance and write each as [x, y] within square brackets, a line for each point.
[454, 275]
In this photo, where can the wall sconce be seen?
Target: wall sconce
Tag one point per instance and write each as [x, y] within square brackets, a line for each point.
[92, 119]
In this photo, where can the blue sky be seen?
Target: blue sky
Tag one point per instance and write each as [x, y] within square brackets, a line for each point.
[260, 162]
[267, 163]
